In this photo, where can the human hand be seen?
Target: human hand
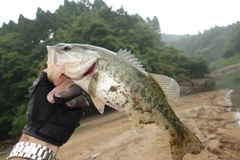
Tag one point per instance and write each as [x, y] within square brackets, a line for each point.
[62, 83]
[54, 122]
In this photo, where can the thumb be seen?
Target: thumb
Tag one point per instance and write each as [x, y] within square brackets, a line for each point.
[64, 85]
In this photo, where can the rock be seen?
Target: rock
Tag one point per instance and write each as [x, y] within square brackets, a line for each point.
[214, 147]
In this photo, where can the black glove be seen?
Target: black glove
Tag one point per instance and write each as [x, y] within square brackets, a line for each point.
[53, 123]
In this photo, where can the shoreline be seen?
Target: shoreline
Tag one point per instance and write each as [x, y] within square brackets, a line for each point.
[191, 86]
[110, 136]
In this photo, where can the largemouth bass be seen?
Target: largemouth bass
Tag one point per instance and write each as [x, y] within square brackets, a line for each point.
[118, 80]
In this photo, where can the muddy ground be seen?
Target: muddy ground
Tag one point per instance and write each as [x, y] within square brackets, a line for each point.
[110, 136]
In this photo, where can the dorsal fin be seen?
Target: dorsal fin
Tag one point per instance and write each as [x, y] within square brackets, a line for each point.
[131, 58]
[169, 86]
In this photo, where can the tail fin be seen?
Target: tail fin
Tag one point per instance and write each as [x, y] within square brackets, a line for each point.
[187, 144]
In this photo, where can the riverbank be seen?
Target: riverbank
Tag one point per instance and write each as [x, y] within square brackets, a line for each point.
[110, 136]
[193, 85]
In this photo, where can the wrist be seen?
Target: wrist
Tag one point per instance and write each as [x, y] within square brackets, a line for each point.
[28, 138]
[32, 148]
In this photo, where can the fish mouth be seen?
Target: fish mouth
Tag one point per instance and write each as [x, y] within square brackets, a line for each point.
[54, 69]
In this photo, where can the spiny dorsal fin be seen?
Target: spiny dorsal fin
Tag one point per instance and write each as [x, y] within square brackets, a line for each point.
[169, 86]
[131, 58]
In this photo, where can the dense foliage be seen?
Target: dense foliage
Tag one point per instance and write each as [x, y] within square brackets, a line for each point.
[23, 49]
[220, 45]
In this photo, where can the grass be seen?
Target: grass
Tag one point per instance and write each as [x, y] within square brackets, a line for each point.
[215, 65]
[81, 127]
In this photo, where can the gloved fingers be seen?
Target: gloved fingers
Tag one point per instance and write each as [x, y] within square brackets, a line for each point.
[68, 94]
[64, 85]
[76, 103]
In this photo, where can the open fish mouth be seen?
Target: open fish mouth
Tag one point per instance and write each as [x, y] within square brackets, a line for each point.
[54, 68]
[70, 65]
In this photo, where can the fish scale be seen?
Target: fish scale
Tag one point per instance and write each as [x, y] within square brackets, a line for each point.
[119, 81]
[130, 83]
[137, 86]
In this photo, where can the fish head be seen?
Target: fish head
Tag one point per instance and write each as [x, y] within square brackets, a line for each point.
[73, 60]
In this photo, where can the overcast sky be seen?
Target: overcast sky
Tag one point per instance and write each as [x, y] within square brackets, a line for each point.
[175, 16]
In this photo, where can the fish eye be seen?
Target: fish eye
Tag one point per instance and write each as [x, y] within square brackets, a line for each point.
[66, 48]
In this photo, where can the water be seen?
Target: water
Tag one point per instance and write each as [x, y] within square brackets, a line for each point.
[230, 81]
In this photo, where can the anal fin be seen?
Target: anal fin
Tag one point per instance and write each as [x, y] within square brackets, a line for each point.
[138, 128]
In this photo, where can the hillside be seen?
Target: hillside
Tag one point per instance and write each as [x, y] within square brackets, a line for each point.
[169, 38]
[220, 45]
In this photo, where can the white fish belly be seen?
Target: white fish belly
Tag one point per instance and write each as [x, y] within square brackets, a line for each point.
[112, 93]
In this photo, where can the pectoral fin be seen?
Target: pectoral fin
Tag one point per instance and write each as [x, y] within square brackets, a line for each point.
[139, 129]
[98, 104]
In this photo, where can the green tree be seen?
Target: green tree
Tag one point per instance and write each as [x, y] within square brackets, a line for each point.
[14, 82]
[99, 4]
[12, 41]
[233, 47]
[155, 26]
[198, 66]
